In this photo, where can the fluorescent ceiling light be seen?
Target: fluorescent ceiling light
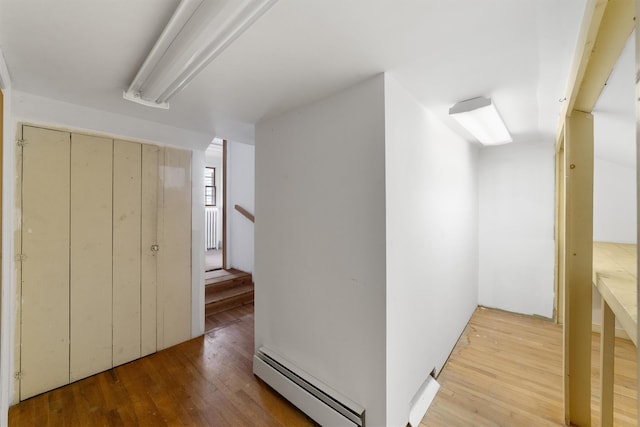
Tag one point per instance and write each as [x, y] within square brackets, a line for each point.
[196, 34]
[480, 117]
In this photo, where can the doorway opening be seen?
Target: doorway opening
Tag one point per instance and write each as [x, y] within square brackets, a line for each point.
[214, 206]
[225, 288]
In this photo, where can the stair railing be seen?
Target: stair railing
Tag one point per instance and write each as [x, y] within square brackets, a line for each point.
[245, 213]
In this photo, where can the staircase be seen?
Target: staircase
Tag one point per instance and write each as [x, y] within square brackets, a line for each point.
[225, 289]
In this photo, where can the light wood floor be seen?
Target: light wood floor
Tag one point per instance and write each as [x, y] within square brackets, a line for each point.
[506, 370]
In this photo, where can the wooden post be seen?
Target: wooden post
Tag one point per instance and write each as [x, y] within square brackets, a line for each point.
[559, 234]
[637, 35]
[606, 27]
[1, 161]
[607, 352]
[578, 267]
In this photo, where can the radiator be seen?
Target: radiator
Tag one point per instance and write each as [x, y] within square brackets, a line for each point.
[210, 228]
[325, 406]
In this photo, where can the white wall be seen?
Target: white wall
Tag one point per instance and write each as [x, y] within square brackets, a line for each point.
[58, 114]
[614, 130]
[241, 191]
[516, 223]
[614, 202]
[432, 244]
[320, 242]
[8, 274]
[197, 242]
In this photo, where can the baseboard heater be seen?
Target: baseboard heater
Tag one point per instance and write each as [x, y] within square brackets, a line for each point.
[325, 406]
[422, 399]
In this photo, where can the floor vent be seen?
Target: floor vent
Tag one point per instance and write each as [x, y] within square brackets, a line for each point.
[324, 405]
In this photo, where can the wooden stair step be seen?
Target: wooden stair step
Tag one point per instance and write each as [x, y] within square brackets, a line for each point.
[227, 289]
[228, 293]
[219, 276]
[228, 303]
[216, 287]
[222, 272]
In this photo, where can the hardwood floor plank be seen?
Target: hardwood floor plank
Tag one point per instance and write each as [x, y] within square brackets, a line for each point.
[507, 370]
[207, 381]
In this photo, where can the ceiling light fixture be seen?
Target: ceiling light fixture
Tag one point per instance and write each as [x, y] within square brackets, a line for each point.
[196, 34]
[480, 117]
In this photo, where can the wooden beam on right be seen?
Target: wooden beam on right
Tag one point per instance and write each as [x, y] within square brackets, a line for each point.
[594, 11]
[606, 27]
[637, 35]
[578, 140]
[617, 24]
[607, 356]
[560, 233]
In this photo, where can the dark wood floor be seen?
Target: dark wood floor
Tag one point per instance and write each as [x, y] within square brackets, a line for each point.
[207, 381]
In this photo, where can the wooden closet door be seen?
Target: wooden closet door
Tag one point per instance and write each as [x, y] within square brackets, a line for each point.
[91, 252]
[98, 288]
[174, 264]
[127, 205]
[149, 237]
[44, 361]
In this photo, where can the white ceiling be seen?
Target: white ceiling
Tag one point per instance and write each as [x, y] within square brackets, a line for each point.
[516, 51]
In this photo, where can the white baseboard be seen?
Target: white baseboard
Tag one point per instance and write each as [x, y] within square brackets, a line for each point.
[422, 400]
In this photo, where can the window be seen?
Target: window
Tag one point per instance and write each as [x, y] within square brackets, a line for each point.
[209, 186]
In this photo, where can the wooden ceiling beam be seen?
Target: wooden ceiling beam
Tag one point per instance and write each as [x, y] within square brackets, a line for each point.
[616, 26]
[605, 29]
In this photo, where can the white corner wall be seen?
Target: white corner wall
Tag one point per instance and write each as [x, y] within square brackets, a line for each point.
[241, 191]
[197, 242]
[432, 244]
[320, 242]
[8, 274]
[516, 223]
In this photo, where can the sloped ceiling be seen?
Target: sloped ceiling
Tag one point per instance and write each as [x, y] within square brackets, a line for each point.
[516, 51]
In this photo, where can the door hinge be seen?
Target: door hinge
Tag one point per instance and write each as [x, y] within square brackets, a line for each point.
[19, 375]
[21, 142]
[21, 257]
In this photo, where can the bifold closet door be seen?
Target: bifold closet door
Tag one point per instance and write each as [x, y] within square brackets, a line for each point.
[127, 204]
[174, 264]
[93, 292]
[149, 239]
[135, 211]
[91, 252]
[44, 361]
